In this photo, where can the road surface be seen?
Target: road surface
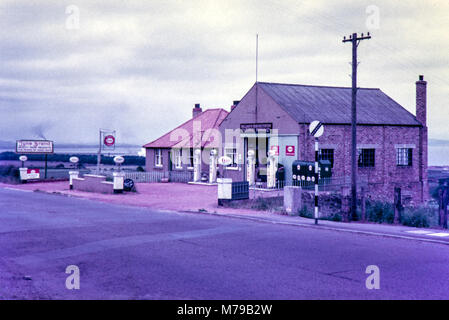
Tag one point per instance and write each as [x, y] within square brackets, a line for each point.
[134, 253]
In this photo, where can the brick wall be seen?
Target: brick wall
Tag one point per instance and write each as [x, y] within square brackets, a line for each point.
[384, 139]
[386, 174]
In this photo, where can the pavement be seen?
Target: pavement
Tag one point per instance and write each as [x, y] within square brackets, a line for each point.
[182, 197]
[132, 252]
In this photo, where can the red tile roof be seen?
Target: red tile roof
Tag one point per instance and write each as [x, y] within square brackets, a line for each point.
[182, 136]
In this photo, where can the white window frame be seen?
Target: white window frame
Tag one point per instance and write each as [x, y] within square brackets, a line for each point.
[177, 157]
[191, 157]
[158, 158]
[232, 153]
[406, 155]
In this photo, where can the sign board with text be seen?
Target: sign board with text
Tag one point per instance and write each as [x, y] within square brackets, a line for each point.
[33, 173]
[34, 146]
[108, 140]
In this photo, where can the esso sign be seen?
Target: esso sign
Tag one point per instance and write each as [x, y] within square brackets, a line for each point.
[109, 140]
[119, 159]
[74, 159]
[224, 161]
[23, 158]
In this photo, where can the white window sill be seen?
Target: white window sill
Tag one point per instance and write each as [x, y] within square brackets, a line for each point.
[231, 168]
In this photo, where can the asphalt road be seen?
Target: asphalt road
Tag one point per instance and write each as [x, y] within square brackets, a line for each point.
[132, 253]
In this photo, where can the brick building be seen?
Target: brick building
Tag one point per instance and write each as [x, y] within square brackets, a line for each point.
[391, 142]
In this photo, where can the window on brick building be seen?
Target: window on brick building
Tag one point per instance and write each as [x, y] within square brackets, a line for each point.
[327, 154]
[367, 158]
[404, 157]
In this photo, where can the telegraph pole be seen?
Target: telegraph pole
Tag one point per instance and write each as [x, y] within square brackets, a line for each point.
[355, 40]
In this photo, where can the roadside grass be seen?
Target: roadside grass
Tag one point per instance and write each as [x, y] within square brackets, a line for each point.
[306, 212]
[419, 217]
[376, 212]
[274, 204]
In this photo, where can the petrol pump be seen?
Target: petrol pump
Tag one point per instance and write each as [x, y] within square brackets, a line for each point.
[197, 165]
[251, 167]
[272, 169]
[213, 166]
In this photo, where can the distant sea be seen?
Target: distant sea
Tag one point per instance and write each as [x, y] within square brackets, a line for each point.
[124, 151]
[438, 154]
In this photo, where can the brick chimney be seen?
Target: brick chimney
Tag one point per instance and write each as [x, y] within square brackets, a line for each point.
[234, 104]
[421, 116]
[197, 110]
[421, 100]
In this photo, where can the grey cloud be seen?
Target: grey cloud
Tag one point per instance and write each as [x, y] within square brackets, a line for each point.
[139, 66]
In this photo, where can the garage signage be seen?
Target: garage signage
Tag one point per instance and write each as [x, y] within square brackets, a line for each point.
[289, 150]
[34, 146]
[275, 150]
[109, 140]
[33, 174]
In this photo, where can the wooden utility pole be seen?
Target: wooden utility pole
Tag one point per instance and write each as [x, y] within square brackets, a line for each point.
[397, 205]
[443, 202]
[355, 40]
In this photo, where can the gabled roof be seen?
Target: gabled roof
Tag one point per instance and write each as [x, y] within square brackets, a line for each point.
[182, 136]
[332, 105]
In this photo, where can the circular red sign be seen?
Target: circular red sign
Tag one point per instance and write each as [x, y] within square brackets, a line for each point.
[109, 140]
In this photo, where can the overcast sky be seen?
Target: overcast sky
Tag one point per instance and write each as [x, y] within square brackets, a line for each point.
[140, 66]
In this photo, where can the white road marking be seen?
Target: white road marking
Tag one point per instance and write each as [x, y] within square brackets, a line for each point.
[439, 234]
[429, 233]
[14, 189]
[419, 231]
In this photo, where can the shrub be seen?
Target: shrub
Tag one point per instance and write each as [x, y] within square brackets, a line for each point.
[140, 169]
[305, 212]
[419, 217]
[267, 204]
[379, 212]
[335, 217]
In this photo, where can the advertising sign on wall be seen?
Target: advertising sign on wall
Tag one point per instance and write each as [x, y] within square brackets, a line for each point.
[290, 150]
[275, 149]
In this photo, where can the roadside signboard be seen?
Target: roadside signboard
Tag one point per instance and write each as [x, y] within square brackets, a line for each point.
[33, 174]
[316, 129]
[34, 146]
[109, 140]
